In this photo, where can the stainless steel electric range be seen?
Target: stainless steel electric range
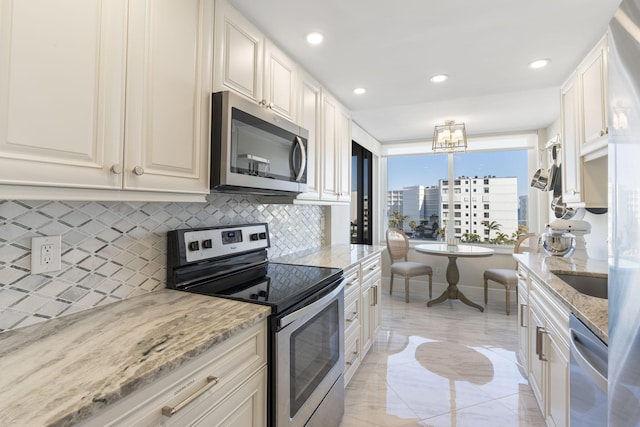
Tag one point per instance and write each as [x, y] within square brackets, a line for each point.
[306, 325]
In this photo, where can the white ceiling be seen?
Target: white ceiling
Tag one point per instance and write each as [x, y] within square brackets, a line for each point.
[393, 48]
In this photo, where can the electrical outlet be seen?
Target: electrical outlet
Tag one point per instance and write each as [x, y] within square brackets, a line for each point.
[45, 254]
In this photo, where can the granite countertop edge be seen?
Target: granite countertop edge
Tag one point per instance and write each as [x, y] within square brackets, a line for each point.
[334, 256]
[592, 311]
[41, 388]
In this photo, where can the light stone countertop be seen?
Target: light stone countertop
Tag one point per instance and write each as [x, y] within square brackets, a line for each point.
[64, 370]
[591, 310]
[336, 256]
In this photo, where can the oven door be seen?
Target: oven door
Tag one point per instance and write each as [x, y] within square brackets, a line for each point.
[309, 361]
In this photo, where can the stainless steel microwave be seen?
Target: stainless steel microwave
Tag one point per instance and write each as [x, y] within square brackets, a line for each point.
[254, 150]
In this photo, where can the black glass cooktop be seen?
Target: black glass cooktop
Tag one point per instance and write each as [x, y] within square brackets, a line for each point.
[281, 287]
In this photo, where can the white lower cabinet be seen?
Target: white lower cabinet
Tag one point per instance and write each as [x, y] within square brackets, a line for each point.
[523, 312]
[362, 311]
[548, 353]
[226, 386]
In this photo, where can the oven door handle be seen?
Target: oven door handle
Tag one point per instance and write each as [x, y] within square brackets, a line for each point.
[290, 318]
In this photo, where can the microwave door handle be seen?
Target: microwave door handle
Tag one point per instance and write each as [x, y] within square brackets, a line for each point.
[303, 158]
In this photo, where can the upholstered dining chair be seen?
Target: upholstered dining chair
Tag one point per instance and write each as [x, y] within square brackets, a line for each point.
[508, 277]
[398, 248]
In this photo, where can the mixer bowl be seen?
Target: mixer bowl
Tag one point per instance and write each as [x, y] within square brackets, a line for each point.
[558, 244]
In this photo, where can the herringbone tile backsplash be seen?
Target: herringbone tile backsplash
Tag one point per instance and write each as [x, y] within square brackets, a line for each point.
[116, 250]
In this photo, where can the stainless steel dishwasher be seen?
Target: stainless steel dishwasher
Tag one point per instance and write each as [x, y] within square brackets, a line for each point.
[587, 377]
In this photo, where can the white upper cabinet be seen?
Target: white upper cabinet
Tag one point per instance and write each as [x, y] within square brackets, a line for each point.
[570, 143]
[585, 132]
[336, 151]
[169, 84]
[105, 95]
[593, 78]
[280, 81]
[62, 85]
[247, 63]
[309, 117]
[239, 47]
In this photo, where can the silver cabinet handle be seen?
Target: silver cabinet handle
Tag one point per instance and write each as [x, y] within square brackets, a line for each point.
[354, 317]
[116, 168]
[169, 411]
[375, 295]
[356, 354]
[138, 170]
[540, 330]
[522, 307]
[263, 103]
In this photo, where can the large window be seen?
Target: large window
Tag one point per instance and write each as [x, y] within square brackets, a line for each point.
[490, 186]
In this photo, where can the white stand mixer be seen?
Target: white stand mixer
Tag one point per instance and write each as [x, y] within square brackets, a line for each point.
[578, 228]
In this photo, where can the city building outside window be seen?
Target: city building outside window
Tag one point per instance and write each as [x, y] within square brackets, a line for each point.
[494, 184]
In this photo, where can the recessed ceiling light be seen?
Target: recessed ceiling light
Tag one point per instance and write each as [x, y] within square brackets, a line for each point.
[314, 38]
[439, 78]
[539, 63]
[359, 90]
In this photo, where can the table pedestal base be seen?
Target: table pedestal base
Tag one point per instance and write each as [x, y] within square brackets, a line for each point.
[452, 291]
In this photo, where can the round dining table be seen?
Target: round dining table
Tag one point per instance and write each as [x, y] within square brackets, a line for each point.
[453, 275]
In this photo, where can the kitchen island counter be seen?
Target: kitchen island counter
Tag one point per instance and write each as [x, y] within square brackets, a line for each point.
[65, 370]
[592, 311]
[336, 256]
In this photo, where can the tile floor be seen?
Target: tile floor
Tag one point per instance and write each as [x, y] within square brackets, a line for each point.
[446, 365]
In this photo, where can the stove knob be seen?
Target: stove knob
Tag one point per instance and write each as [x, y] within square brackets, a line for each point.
[263, 236]
[207, 244]
[253, 296]
[254, 236]
[263, 294]
[194, 246]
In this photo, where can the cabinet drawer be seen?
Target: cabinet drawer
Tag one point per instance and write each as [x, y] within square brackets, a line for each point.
[352, 280]
[351, 357]
[230, 363]
[371, 267]
[352, 312]
[244, 407]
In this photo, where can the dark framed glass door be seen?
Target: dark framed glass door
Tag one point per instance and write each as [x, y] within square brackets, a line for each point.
[361, 195]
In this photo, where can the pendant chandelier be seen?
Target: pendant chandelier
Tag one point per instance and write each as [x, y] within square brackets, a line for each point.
[450, 137]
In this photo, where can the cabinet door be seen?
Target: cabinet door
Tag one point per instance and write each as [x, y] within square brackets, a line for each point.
[329, 136]
[570, 146]
[309, 118]
[365, 326]
[343, 156]
[558, 382]
[280, 82]
[62, 77]
[168, 95]
[375, 308]
[523, 330]
[536, 364]
[594, 95]
[238, 53]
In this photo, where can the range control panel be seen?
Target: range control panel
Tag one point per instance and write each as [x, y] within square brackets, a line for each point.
[215, 242]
